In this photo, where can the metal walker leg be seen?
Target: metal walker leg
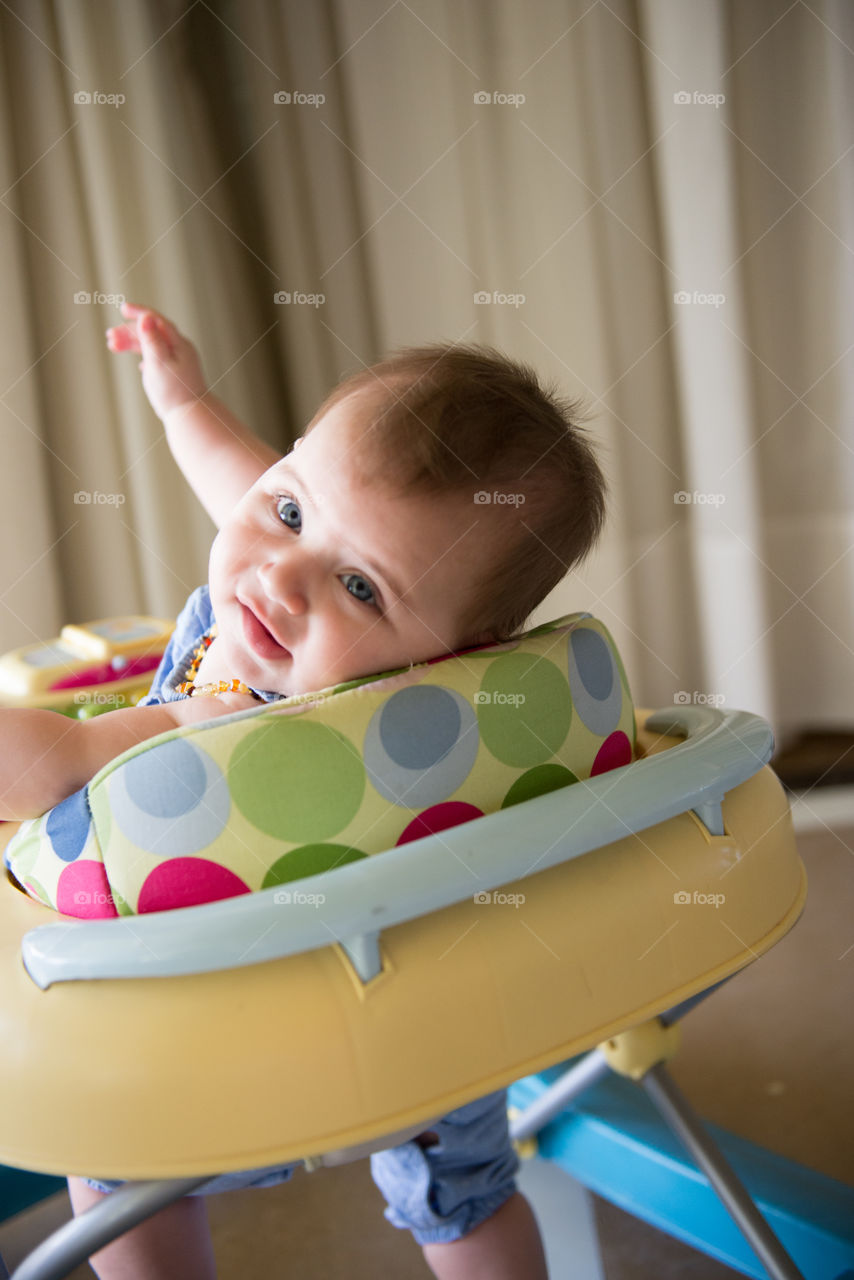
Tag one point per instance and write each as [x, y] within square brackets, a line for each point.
[641, 1054]
[117, 1213]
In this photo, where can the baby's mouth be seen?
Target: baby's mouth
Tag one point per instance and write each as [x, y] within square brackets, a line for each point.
[259, 638]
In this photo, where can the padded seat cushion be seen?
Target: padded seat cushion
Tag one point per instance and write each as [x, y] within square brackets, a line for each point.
[265, 797]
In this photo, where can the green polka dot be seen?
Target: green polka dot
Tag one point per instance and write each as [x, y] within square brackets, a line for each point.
[124, 908]
[38, 890]
[524, 708]
[296, 780]
[537, 782]
[310, 860]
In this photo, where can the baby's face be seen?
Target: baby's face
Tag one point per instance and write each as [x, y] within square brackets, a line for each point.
[315, 579]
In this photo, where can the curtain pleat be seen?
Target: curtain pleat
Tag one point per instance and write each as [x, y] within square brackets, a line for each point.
[649, 201]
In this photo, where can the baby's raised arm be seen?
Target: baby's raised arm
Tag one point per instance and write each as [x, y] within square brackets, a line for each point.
[218, 454]
[45, 756]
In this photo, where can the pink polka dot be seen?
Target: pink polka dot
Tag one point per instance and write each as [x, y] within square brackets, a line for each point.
[438, 818]
[186, 882]
[84, 890]
[614, 751]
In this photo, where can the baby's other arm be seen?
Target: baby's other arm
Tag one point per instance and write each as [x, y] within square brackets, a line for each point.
[45, 756]
[218, 454]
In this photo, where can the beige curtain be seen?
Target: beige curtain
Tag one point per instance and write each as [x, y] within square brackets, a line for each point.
[656, 197]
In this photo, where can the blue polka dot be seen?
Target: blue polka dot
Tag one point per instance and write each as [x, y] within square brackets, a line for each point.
[170, 800]
[421, 745]
[167, 782]
[597, 693]
[593, 662]
[68, 826]
[419, 726]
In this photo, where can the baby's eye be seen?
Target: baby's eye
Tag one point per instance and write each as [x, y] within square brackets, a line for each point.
[289, 513]
[359, 587]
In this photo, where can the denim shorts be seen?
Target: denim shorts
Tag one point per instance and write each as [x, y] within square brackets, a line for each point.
[439, 1193]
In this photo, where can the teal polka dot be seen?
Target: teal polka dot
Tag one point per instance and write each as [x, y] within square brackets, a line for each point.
[296, 780]
[524, 709]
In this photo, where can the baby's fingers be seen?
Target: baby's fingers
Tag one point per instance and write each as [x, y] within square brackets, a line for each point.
[122, 337]
[158, 333]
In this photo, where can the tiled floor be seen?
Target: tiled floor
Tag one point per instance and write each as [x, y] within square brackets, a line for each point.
[752, 1060]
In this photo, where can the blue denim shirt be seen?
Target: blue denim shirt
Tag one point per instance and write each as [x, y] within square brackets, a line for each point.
[194, 621]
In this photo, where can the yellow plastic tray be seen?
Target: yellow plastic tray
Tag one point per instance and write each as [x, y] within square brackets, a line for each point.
[167, 1077]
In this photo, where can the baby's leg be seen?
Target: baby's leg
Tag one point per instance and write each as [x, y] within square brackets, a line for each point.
[175, 1244]
[506, 1246]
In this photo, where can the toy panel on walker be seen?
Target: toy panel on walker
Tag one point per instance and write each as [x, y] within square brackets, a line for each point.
[88, 669]
[268, 1043]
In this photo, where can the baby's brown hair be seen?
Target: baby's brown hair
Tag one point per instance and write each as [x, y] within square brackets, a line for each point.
[469, 420]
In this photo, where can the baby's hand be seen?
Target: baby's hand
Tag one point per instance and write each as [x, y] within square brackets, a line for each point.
[171, 371]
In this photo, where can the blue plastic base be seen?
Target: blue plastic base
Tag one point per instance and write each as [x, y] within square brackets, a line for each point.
[613, 1141]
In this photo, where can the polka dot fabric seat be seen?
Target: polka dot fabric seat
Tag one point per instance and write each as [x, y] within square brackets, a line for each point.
[267, 797]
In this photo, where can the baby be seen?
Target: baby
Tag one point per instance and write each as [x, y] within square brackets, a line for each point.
[433, 501]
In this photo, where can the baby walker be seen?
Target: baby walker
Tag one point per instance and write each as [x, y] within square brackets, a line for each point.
[483, 875]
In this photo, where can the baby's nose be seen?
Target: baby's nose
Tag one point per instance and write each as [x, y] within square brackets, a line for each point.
[283, 586]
